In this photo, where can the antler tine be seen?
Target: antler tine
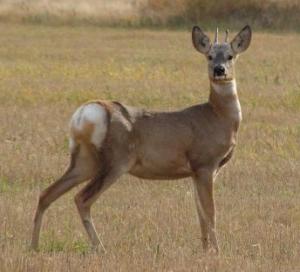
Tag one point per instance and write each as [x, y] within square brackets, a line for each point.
[226, 36]
[216, 35]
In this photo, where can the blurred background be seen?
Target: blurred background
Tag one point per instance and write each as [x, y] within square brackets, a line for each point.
[270, 14]
[58, 54]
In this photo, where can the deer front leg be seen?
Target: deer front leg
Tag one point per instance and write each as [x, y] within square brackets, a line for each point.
[203, 183]
[201, 217]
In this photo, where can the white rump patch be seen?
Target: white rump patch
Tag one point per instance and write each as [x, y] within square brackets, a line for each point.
[94, 114]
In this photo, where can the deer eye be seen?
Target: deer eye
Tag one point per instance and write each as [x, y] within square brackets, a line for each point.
[210, 57]
[230, 57]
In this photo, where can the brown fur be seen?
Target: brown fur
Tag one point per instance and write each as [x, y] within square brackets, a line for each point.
[194, 142]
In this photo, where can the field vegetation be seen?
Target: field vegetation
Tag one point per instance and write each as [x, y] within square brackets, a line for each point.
[276, 15]
[46, 72]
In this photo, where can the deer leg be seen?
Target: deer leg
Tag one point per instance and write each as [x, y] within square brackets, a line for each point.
[77, 172]
[201, 217]
[203, 182]
[88, 195]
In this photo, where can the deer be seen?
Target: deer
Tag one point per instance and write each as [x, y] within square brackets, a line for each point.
[109, 139]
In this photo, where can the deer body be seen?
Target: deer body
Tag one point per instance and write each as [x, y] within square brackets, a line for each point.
[173, 144]
[109, 139]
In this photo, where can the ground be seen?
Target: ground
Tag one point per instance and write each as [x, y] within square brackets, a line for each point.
[46, 72]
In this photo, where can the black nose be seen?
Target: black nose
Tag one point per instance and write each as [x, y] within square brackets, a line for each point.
[219, 70]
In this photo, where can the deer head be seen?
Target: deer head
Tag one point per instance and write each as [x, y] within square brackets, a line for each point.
[221, 56]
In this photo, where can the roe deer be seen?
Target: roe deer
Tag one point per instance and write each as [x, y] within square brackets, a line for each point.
[109, 139]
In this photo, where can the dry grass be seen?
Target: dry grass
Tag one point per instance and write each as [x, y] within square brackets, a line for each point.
[277, 15]
[146, 225]
[272, 14]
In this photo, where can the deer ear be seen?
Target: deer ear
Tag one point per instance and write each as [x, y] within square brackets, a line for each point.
[242, 40]
[200, 41]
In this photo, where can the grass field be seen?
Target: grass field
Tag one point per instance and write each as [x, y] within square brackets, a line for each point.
[47, 72]
[275, 15]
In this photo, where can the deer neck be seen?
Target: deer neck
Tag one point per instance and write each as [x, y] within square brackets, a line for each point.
[225, 102]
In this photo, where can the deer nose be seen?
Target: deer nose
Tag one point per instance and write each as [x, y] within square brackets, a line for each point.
[219, 70]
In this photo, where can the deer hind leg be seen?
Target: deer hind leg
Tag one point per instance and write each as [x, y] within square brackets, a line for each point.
[203, 183]
[90, 193]
[81, 168]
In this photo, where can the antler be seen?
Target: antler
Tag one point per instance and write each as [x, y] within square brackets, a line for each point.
[216, 35]
[226, 36]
